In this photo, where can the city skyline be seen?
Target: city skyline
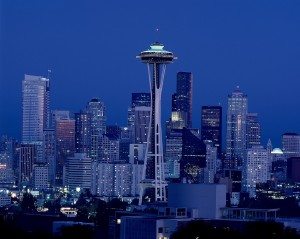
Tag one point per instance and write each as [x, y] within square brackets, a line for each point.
[219, 62]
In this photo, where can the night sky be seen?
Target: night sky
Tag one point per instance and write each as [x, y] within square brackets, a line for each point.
[90, 46]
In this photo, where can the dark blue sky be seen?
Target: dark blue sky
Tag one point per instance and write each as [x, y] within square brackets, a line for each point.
[90, 46]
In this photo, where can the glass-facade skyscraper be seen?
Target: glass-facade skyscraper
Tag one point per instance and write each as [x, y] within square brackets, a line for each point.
[182, 99]
[211, 126]
[35, 107]
[97, 113]
[236, 128]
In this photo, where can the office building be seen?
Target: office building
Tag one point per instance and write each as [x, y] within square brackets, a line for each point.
[28, 156]
[173, 153]
[193, 160]
[83, 133]
[236, 128]
[291, 145]
[182, 99]
[141, 124]
[40, 176]
[211, 126]
[65, 144]
[211, 162]
[78, 172]
[50, 153]
[253, 132]
[35, 108]
[256, 170]
[293, 169]
[97, 111]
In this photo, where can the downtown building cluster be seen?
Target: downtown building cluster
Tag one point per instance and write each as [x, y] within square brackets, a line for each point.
[78, 151]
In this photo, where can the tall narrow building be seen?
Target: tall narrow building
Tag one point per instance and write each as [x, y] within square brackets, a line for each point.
[182, 99]
[236, 128]
[96, 109]
[35, 107]
[211, 126]
[253, 134]
[65, 143]
[83, 133]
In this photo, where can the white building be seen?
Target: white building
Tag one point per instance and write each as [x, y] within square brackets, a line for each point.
[256, 169]
[41, 176]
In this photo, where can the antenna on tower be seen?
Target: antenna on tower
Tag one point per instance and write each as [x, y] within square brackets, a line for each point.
[156, 31]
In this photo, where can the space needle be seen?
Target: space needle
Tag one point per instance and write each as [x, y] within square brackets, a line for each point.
[153, 176]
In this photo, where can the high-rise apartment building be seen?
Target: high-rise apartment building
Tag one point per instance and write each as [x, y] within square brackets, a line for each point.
[211, 126]
[236, 128]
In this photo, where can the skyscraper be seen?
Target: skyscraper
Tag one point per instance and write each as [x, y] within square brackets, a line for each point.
[253, 134]
[156, 59]
[141, 124]
[140, 99]
[65, 143]
[182, 100]
[236, 128]
[35, 106]
[83, 132]
[211, 126]
[27, 159]
[193, 159]
[291, 145]
[256, 169]
[96, 109]
[79, 172]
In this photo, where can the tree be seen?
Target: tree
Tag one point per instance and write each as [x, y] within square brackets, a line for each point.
[28, 203]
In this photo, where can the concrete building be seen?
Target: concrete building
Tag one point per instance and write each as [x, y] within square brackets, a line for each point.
[41, 176]
[256, 170]
[207, 198]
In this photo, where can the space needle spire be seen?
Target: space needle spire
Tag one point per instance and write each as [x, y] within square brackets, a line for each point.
[153, 178]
